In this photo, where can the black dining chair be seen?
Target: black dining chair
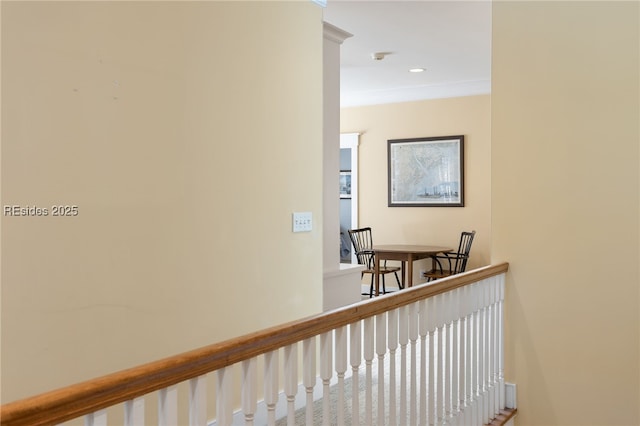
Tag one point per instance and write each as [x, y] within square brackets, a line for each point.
[456, 262]
[362, 241]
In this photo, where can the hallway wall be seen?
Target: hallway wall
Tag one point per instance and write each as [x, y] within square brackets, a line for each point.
[176, 132]
[565, 208]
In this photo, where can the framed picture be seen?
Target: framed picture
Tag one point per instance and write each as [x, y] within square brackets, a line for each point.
[426, 172]
[345, 183]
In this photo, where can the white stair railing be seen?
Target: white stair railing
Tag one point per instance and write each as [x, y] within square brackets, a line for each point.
[448, 369]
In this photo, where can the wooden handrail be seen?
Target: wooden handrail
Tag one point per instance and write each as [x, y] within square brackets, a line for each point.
[86, 397]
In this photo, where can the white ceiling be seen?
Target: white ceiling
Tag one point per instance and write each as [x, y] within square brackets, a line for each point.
[450, 38]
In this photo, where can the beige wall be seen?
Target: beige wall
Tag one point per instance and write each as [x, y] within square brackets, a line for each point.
[174, 128]
[468, 116]
[565, 209]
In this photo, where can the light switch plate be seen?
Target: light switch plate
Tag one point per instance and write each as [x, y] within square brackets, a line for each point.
[302, 222]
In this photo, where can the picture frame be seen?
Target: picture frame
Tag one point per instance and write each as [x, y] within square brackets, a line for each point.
[426, 172]
[345, 183]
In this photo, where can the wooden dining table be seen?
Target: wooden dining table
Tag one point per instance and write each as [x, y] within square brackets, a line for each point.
[407, 254]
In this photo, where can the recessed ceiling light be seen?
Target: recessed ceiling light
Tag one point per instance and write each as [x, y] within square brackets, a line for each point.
[416, 70]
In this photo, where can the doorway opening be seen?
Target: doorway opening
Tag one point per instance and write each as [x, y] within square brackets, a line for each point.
[348, 193]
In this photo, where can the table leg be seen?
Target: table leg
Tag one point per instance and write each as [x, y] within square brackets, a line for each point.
[376, 275]
[410, 270]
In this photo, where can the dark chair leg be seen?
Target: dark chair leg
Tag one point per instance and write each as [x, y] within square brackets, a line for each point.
[400, 286]
[371, 288]
[384, 288]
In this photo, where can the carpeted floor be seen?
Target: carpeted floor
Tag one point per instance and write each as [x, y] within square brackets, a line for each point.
[318, 406]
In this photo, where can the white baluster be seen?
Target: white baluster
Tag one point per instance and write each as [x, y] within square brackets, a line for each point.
[468, 353]
[446, 359]
[326, 371]
[432, 384]
[224, 397]
[392, 318]
[439, 350]
[426, 311]
[455, 353]
[491, 350]
[413, 369]
[498, 343]
[291, 381]
[249, 390]
[493, 366]
[488, 357]
[355, 338]
[381, 350]
[271, 385]
[501, 344]
[134, 412]
[462, 373]
[309, 375]
[475, 363]
[483, 354]
[168, 406]
[368, 359]
[341, 368]
[403, 334]
[97, 418]
[198, 401]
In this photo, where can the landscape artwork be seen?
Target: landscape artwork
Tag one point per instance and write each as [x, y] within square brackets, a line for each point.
[426, 172]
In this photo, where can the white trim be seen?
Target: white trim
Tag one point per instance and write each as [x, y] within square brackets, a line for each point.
[510, 395]
[351, 141]
[335, 34]
[344, 269]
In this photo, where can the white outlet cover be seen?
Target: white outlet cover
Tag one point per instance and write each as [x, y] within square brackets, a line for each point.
[302, 221]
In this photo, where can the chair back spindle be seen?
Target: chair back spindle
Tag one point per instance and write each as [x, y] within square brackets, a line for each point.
[456, 261]
[362, 240]
[464, 248]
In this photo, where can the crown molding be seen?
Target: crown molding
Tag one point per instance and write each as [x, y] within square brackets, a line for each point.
[335, 34]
